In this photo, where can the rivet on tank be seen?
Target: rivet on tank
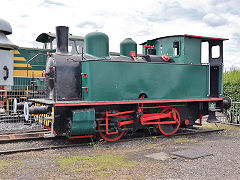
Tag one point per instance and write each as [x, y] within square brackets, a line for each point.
[126, 46]
[97, 45]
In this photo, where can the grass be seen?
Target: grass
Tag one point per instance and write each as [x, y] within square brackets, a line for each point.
[6, 164]
[97, 144]
[154, 138]
[211, 126]
[182, 140]
[101, 166]
[228, 129]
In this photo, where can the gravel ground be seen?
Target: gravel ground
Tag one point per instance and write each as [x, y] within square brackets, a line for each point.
[17, 126]
[126, 160]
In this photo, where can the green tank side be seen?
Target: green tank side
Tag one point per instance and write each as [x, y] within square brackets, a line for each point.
[126, 46]
[192, 50]
[97, 45]
[83, 122]
[127, 80]
[165, 46]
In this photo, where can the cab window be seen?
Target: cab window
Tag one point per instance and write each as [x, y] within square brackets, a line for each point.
[204, 52]
[80, 45]
[215, 52]
[72, 47]
[176, 48]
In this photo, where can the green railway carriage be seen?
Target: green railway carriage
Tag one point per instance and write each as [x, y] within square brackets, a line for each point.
[97, 93]
[30, 62]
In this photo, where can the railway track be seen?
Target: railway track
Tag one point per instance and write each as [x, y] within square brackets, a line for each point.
[48, 147]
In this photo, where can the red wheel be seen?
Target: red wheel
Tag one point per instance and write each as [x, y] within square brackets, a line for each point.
[169, 129]
[113, 125]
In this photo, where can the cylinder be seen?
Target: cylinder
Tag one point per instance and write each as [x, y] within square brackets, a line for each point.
[97, 45]
[62, 39]
[126, 46]
[38, 110]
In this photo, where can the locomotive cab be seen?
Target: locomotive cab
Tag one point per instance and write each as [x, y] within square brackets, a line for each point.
[49, 42]
[199, 51]
[193, 50]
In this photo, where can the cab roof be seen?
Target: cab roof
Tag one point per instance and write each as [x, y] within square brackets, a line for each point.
[205, 38]
[49, 37]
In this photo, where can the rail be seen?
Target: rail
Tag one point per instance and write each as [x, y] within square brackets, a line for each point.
[90, 142]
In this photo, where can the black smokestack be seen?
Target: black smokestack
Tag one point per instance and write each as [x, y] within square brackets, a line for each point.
[62, 39]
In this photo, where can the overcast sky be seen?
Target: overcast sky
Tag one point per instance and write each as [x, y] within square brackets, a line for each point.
[119, 19]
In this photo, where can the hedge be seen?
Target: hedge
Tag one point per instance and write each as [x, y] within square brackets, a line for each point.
[231, 84]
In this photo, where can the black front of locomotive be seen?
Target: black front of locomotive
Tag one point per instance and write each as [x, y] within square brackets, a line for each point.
[63, 71]
[63, 80]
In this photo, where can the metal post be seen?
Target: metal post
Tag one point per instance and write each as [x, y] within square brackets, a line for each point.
[209, 80]
[221, 93]
[52, 126]
[238, 116]
[52, 121]
[7, 105]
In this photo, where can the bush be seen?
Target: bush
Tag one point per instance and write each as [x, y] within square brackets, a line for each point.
[231, 84]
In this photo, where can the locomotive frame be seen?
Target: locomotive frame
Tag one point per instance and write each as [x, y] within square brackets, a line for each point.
[97, 94]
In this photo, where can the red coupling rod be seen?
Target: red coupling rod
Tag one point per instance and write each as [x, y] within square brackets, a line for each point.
[78, 137]
[109, 133]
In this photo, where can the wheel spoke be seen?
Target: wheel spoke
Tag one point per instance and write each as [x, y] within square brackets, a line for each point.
[113, 128]
[170, 128]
